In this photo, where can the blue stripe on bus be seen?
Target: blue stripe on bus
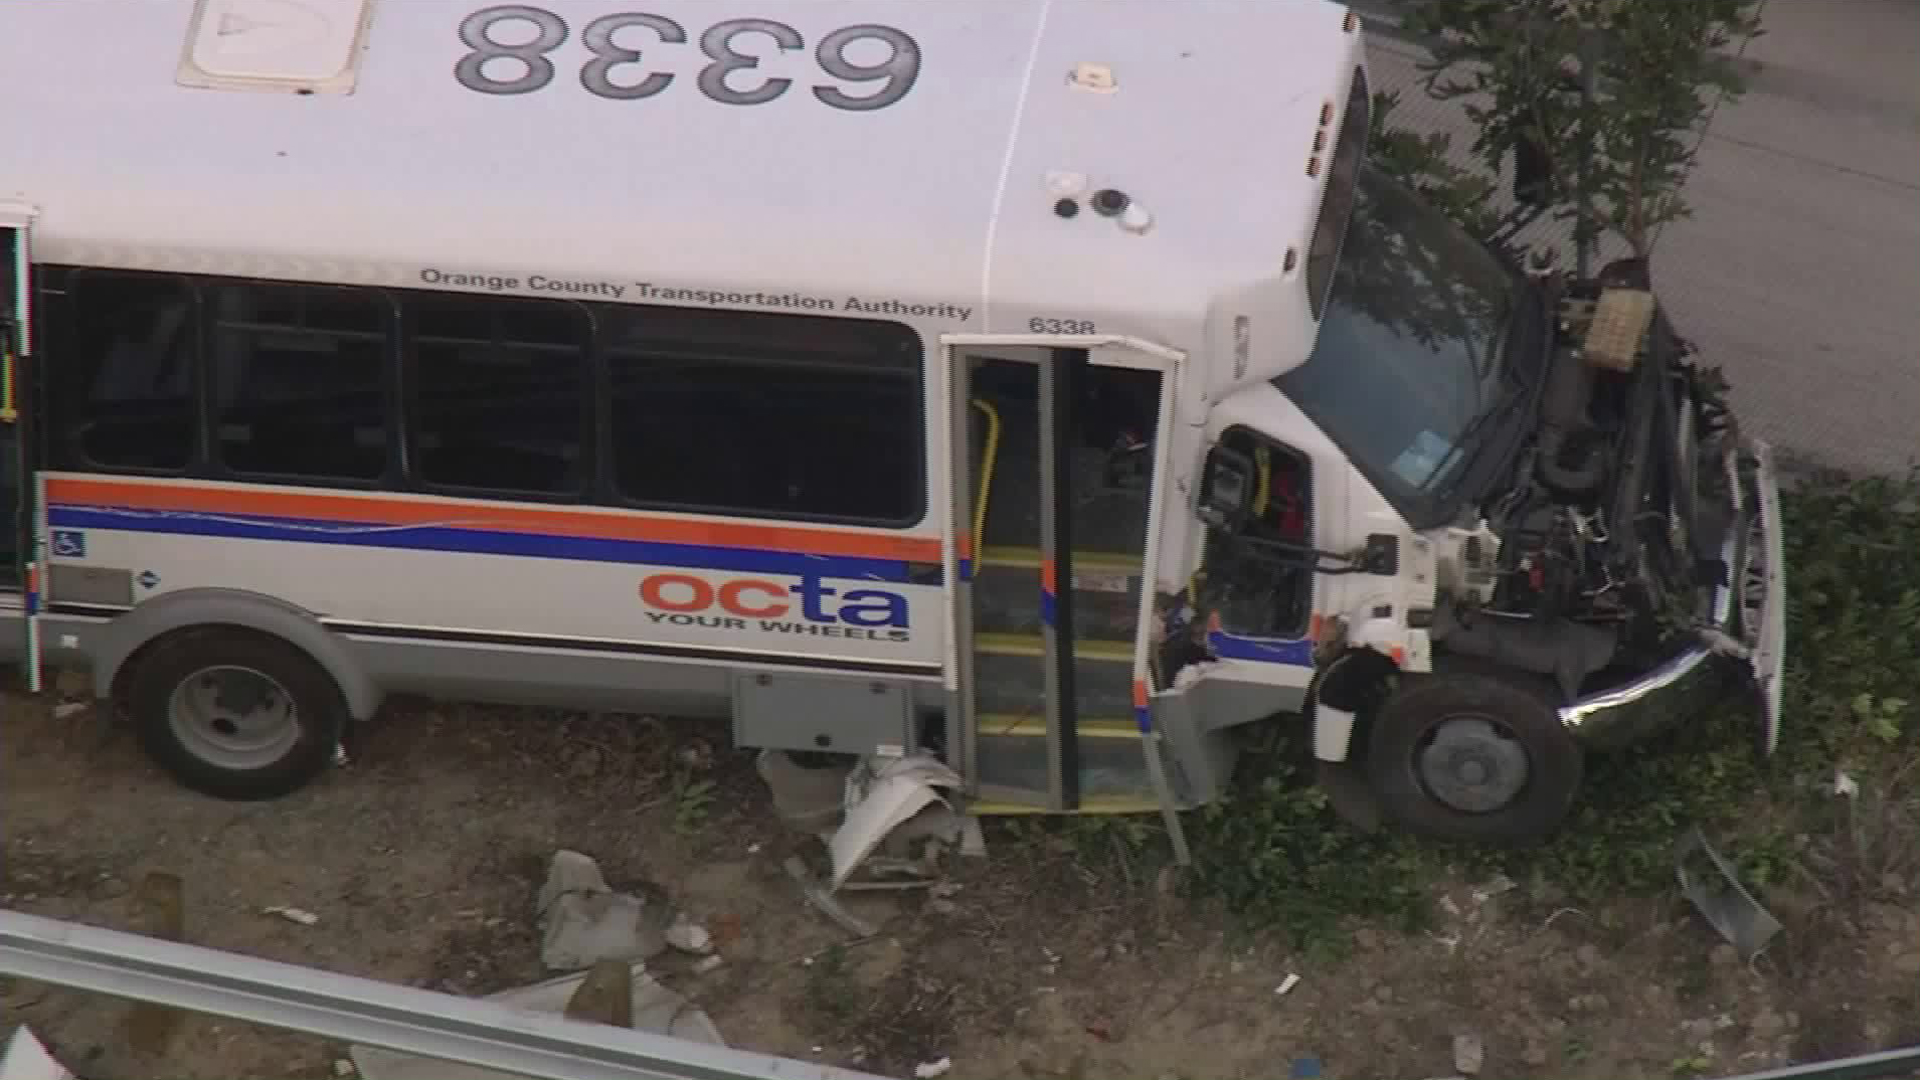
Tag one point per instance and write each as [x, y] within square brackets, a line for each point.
[1230, 647]
[488, 542]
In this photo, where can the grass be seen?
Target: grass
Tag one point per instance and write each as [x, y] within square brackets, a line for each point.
[1275, 854]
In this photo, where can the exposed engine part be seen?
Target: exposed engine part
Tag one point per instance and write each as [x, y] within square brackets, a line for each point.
[1571, 458]
[1599, 544]
[1566, 650]
[1466, 563]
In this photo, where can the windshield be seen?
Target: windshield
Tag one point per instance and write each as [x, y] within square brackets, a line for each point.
[1411, 348]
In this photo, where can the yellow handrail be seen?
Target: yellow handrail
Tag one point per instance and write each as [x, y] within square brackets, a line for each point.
[986, 476]
[1263, 490]
[8, 412]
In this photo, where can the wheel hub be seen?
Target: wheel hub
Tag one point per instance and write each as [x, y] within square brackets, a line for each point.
[235, 717]
[1471, 766]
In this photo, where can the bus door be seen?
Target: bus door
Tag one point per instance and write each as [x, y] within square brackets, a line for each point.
[16, 458]
[1057, 447]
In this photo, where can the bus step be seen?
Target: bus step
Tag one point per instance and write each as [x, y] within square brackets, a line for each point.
[1009, 601]
[998, 644]
[1097, 804]
[1017, 685]
[1016, 725]
[1013, 768]
[1084, 562]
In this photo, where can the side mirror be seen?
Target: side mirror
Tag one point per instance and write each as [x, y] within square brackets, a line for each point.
[1226, 488]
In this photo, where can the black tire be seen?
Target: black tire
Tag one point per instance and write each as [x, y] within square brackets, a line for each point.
[1512, 716]
[296, 698]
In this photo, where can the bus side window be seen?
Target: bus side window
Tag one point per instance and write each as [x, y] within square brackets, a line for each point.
[1255, 594]
[497, 393]
[300, 375]
[767, 415]
[125, 391]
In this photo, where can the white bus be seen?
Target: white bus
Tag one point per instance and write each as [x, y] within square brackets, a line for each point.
[1027, 383]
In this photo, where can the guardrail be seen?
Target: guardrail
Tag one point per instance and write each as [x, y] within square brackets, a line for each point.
[469, 1032]
[368, 1012]
[1886, 1065]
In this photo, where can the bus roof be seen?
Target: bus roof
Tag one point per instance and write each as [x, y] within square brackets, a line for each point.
[913, 158]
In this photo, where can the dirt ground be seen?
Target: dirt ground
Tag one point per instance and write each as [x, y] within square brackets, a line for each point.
[423, 856]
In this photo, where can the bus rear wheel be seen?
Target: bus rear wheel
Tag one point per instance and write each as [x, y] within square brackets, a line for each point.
[1474, 757]
[236, 714]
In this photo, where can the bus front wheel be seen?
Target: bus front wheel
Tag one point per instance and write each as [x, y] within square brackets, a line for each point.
[1473, 756]
[236, 714]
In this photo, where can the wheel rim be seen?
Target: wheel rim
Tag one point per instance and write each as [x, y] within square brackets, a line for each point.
[1472, 764]
[233, 717]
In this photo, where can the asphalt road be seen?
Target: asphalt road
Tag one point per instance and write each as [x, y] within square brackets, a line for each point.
[1799, 270]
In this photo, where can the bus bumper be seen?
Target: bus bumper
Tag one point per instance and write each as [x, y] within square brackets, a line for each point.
[1747, 644]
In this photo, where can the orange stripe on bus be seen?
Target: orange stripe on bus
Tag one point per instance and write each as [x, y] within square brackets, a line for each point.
[601, 525]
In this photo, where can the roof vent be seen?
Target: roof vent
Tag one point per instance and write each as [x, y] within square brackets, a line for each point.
[293, 46]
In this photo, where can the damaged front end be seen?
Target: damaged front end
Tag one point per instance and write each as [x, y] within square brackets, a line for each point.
[1632, 554]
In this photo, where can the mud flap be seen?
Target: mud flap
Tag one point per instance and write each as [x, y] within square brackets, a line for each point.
[1763, 596]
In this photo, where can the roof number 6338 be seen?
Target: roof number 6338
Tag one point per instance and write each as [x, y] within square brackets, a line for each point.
[506, 61]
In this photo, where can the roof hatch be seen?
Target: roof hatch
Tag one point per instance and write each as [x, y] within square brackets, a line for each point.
[293, 46]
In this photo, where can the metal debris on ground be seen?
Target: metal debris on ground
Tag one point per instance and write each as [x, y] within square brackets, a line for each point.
[1726, 904]
[583, 921]
[823, 901]
[656, 1009]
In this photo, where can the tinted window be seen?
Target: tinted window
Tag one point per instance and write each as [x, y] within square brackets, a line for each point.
[766, 414]
[1412, 347]
[1336, 206]
[499, 393]
[127, 382]
[299, 380]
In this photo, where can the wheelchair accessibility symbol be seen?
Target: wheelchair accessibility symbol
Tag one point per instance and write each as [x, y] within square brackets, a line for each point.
[69, 544]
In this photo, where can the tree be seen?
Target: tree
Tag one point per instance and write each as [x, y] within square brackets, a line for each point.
[1595, 100]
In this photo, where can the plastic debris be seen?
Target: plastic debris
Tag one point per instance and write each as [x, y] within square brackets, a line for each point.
[932, 1069]
[707, 963]
[1844, 785]
[882, 794]
[1286, 985]
[583, 921]
[293, 914]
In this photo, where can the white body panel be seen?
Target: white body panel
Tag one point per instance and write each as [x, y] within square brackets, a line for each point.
[940, 203]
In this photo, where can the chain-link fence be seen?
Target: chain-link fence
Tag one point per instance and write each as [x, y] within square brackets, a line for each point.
[1799, 269]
